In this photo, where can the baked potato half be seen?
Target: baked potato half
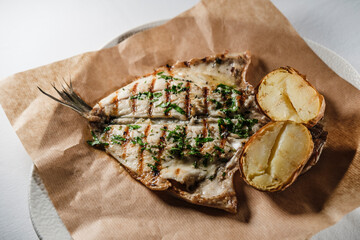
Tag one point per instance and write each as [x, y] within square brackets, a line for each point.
[275, 155]
[284, 94]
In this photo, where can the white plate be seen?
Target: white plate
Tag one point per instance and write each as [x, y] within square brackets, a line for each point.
[46, 221]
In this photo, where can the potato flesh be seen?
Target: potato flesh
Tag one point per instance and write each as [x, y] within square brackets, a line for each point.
[287, 96]
[303, 98]
[275, 154]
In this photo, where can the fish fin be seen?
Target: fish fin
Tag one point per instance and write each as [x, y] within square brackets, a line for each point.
[69, 99]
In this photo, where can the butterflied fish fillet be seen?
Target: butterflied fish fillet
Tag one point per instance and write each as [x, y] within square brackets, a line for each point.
[180, 128]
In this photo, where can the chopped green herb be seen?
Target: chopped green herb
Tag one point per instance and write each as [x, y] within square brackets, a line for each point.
[218, 105]
[154, 168]
[154, 100]
[223, 89]
[156, 159]
[138, 140]
[177, 151]
[107, 128]
[223, 174]
[132, 127]
[178, 136]
[142, 95]
[165, 77]
[193, 151]
[170, 106]
[200, 140]
[175, 89]
[219, 149]
[242, 126]
[159, 73]
[96, 141]
[226, 90]
[157, 94]
[117, 139]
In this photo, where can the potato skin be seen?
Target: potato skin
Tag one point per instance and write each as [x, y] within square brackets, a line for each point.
[290, 70]
[319, 136]
[290, 180]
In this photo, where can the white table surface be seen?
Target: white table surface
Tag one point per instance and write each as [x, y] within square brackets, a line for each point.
[34, 33]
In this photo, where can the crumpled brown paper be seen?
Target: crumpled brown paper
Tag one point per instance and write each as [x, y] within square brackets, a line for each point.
[97, 199]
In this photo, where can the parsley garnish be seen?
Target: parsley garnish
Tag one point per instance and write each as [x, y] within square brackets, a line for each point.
[117, 139]
[156, 159]
[157, 94]
[138, 140]
[150, 148]
[141, 95]
[200, 140]
[193, 151]
[177, 88]
[170, 106]
[225, 90]
[218, 105]
[131, 127]
[107, 128]
[178, 135]
[242, 126]
[166, 77]
[96, 141]
[154, 168]
[219, 149]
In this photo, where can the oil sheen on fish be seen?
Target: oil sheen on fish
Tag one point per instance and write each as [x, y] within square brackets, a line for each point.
[180, 128]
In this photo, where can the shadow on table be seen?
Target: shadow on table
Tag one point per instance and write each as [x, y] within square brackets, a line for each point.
[311, 190]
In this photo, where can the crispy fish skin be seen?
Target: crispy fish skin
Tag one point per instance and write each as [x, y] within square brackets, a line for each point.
[181, 128]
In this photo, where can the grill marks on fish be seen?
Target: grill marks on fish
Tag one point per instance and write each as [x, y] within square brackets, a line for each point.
[124, 145]
[204, 132]
[194, 100]
[115, 101]
[141, 151]
[152, 97]
[133, 101]
[137, 145]
[223, 142]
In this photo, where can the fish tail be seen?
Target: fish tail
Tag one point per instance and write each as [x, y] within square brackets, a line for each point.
[70, 99]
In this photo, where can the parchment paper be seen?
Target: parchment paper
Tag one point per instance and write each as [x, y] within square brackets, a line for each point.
[97, 199]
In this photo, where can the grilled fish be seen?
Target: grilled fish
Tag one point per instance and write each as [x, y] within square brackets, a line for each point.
[179, 129]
